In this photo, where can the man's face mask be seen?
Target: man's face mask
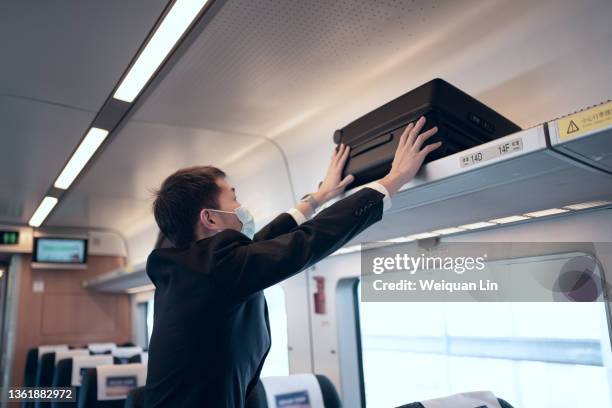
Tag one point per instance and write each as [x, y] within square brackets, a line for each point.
[245, 217]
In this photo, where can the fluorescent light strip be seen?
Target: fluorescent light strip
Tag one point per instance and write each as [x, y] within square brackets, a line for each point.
[446, 231]
[506, 220]
[477, 225]
[81, 156]
[484, 224]
[174, 25]
[588, 204]
[409, 238]
[544, 213]
[45, 207]
[347, 250]
[423, 235]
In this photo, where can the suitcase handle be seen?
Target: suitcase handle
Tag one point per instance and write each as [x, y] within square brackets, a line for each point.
[367, 146]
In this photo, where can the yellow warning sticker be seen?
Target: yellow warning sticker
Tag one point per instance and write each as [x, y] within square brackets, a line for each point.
[586, 121]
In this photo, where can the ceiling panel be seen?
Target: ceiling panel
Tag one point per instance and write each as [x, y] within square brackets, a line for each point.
[116, 191]
[60, 61]
[70, 51]
[35, 142]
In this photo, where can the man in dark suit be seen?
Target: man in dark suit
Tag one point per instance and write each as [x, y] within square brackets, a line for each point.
[211, 331]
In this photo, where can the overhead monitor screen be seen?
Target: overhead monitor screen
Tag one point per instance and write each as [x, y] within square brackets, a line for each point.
[60, 250]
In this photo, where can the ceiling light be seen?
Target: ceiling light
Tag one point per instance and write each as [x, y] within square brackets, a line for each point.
[477, 225]
[512, 218]
[424, 235]
[544, 213]
[45, 207]
[81, 156]
[588, 204]
[347, 250]
[409, 238]
[171, 29]
[446, 231]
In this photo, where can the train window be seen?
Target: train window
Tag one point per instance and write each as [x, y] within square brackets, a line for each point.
[277, 362]
[149, 320]
[531, 354]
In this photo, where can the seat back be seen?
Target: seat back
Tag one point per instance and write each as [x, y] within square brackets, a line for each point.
[135, 398]
[31, 367]
[101, 348]
[107, 386]
[462, 400]
[46, 369]
[69, 371]
[315, 391]
[124, 355]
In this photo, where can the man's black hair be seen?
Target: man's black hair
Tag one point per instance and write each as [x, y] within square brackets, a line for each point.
[180, 198]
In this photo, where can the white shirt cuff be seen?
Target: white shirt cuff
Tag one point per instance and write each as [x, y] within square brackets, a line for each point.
[297, 215]
[381, 189]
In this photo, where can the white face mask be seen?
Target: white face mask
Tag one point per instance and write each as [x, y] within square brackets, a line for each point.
[245, 217]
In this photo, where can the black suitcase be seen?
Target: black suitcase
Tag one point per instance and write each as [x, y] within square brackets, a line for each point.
[462, 122]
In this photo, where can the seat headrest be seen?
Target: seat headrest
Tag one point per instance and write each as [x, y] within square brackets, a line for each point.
[464, 400]
[82, 363]
[293, 390]
[50, 349]
[101, 348]
[62, 354]
[125, 352]
[115, 381]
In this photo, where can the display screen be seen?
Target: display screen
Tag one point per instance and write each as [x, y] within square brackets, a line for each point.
[60, 250]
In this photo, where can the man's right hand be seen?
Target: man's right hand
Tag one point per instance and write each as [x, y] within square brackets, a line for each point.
[409, 156]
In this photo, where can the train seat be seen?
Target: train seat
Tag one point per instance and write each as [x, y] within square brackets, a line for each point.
[101, 348]
[135, 398]
[107, 386]
[33, 361]
[462, 400]
[124, 355]
[68, 373]
[315, 390]
[47, 366]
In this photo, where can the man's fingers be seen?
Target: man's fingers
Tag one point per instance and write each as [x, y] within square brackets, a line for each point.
[406, 136]
[346, 181]
[416, 130]
[345, 154]
[412, 134]
[423, 137]
[429, 148]
[338, 153]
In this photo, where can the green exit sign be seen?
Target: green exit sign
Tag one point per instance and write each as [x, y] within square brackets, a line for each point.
[9, 237]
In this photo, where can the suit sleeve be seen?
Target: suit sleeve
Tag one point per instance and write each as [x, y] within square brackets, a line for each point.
[243, 267]
[282, 224]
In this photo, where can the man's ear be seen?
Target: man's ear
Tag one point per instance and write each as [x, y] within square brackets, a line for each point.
[207, 220]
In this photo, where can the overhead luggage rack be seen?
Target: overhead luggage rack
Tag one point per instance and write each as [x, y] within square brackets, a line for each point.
[121, 280]
[513, 175]
[585, 136]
